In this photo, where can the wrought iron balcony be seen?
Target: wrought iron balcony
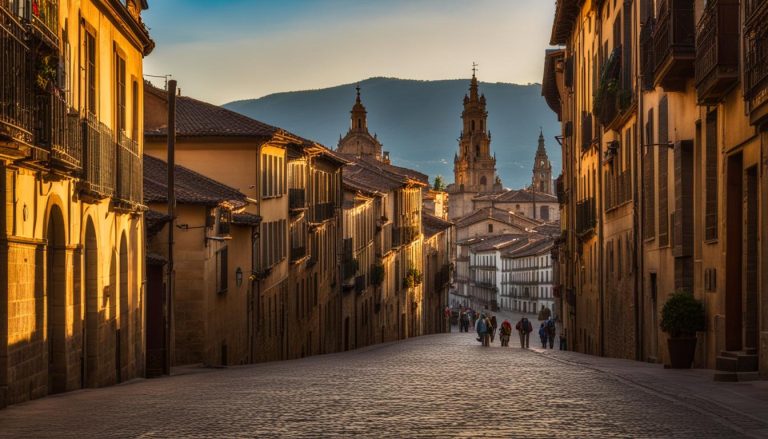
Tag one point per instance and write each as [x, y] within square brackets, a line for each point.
[674, 41]
[717, 51]
[58, 131]
[756, 59]
[98, 158]
[647, 60]
[297, 199]
[129, 170]
[614, 95]
[585, 216]
[16, 81]
[322, 211]
[298, 253]
[404, 235]
[44, 21]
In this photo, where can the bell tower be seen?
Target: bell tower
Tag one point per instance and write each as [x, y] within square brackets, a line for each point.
[474, 168]
[358, 140]
[542, 169]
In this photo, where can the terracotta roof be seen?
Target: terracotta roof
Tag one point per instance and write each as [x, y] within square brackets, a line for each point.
[534, 247]
[370, 175]
[433, 225]
[549, 229]
[497, 242]
[198, 118]
[518, 196]
[246, 219]
[497, 214]
[155, 221]
[190, 187]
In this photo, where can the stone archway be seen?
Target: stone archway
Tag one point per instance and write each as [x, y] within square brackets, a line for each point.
[91, 342]
[56, 301]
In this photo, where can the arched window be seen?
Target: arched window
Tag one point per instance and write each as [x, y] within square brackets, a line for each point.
[359, 123]
[483, 181]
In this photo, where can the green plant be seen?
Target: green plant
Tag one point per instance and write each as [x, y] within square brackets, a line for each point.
[412, 278]
[377, 274]
[683, 315]
[46, 71]
[438, 185]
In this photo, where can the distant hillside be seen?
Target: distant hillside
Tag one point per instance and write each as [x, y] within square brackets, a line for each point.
[419, 122]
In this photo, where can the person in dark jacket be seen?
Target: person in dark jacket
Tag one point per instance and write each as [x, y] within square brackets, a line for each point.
[482, 329]
[494, 325]
[524, 329]
[543, 336]
[551, 328]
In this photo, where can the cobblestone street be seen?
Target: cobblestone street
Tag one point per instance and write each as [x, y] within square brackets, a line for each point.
[441, 385]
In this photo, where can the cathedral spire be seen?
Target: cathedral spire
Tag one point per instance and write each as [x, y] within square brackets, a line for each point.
[473, 85]
[358, 120]
[541, 149]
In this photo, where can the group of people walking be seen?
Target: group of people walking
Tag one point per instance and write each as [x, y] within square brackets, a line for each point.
[486, 326]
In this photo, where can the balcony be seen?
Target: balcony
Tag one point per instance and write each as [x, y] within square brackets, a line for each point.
[756, 60]
[16, 84]
[322, 212]
[349, 268]
[385, 239]
[44, 21]
[717, 51]
[58, 133]
[585, 216]
[297, 199]
[442, 277]
[99, 159]
[674, 39]
[647, 60]
[613, 96]
[297, 253]
[129, 170]
[404, 235]
[360, 284]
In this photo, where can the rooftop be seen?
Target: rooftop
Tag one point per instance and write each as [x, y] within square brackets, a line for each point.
[190, 186]
[497, 214]
[433, 225]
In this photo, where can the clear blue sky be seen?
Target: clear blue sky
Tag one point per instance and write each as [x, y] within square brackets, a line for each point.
[225, 50]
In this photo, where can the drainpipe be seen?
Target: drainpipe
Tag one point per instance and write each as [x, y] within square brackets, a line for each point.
[171, 224]
[637, 206]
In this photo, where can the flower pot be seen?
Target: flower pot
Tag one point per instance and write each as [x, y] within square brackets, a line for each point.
[681, 352]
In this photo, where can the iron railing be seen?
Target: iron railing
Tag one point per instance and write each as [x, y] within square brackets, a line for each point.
[322, 211]
[99, 158]
[674, 40]
[647, 59]
[404, 235]
[297, 199]
[44, 20]
[756, 48]
[16, 80]
[298, 253]
[129, 170]
[717, 50]
[585, 216]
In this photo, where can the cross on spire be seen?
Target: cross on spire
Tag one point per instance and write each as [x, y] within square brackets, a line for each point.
[474, 68]
[357, 88]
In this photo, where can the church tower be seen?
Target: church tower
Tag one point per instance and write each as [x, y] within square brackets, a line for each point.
[542, 169]
[474, 168]
[358, 140]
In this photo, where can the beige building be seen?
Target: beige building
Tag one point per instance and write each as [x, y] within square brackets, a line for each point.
[524, 202]
[294, 186]
[677, 199]
[212, 247]
[70, 152]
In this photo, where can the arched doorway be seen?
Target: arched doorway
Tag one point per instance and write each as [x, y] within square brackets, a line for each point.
[114, 331]
[56, 300]
[91, 343]
[124, 325]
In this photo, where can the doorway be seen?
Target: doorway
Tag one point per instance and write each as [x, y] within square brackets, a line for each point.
[56, 300]
[734, 248]
[751, 259]
[91, 328]
[654, 336]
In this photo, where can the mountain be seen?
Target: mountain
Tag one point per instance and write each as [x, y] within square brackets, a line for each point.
[419, 122]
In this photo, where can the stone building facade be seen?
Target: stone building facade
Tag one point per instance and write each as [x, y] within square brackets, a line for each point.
[71, 254]
[527, 284]
[678, 201]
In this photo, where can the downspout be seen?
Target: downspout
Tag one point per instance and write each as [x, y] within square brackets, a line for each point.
[638, 205]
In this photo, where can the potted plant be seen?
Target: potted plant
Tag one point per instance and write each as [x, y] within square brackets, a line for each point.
[682, 316]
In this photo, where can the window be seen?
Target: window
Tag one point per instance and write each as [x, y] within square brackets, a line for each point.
[490, 228]
[544, 212]
[272, 243]
[222, 257]
[90, 72]
[135, 110]
[649, 223]
[663, 138]
[119, 93]
[711, 177]
[272, 175]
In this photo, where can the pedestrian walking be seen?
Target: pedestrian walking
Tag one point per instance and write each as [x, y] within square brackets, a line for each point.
[494, 325]
[563, 338]
[551, 332]
[488, 332]
[505, 332]
[524, 329]
[482, 329]
[463, 320]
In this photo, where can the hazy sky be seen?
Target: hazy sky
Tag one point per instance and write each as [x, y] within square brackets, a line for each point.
[225, 50]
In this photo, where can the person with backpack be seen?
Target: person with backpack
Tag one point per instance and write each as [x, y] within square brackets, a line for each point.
[482, 329]
[543, 336]
[505, 332]
[524, 329]
[551, 332]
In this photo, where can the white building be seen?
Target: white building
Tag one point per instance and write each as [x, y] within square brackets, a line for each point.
[526, 277]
